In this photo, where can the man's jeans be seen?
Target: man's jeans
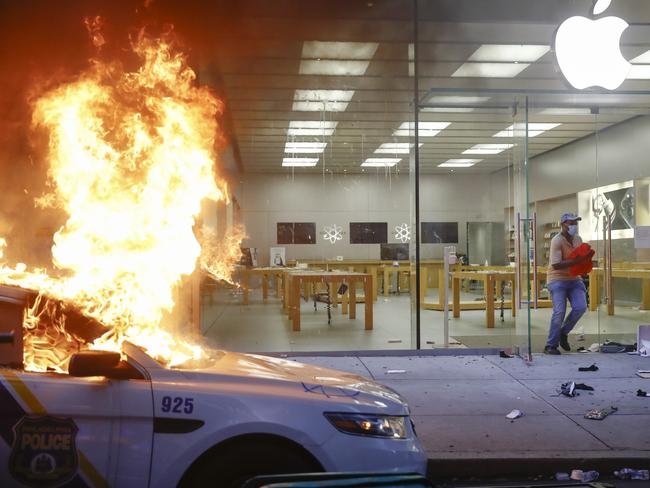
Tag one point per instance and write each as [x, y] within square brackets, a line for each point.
[576, 293]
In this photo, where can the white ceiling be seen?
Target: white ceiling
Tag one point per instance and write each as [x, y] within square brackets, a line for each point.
[261, 53]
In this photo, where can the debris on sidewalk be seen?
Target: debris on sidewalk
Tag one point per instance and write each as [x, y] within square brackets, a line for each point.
[568, 389]
[515, 414]
[642, 393]
[632, 474]
[595, 347]
[588, 476]
[644, 373]
[581, 349]
[562, 477]
[582, 386]
[593, 367]
[505, 355]
[396, 371]
[600, 413]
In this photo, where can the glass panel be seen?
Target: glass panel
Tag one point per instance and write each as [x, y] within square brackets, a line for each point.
[472, 190]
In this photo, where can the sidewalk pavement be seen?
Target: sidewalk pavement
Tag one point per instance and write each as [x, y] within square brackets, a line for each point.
[459, 406]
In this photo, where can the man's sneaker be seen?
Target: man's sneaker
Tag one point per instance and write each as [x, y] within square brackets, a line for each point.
[564, 342]
[551, 350]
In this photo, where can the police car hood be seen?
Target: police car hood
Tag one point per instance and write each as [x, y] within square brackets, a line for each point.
[252, 368]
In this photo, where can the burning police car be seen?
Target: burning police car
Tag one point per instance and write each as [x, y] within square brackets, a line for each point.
[128, 420]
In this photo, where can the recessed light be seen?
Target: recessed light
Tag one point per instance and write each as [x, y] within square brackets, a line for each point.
[527, 53]
[639, 72]
[425, 129]
[395, 148]
[380, 162]
[459, 163]
[299, 162]
[311, 128]
[321, 100]
[488, 148]
[565, 111]
[519, 129]
[642, 58]
[304, 147]
[333, 67]
[457, 99]
[489, 70]
[339, 50]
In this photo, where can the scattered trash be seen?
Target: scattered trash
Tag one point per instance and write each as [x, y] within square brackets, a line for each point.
[582, 386]
[593, 367]
[644, 373]
[642, 393]
[515, 414]
[617, 347]
[632, 474]
[505, 355]
[588, 476]
[394, 341]
[396, 371]
[582, 349]
[562, 476]
[576, 474]
[595, 347]
[600, 413]
[568, 389]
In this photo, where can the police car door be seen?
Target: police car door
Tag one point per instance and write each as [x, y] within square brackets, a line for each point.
[58, 430]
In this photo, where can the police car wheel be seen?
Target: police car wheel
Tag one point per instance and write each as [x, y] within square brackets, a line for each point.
[233, 467]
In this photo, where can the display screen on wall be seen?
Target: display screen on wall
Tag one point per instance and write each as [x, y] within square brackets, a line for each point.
[296, 233]
[616, 202]
[439, 232]
[368, 232]
[395, 252]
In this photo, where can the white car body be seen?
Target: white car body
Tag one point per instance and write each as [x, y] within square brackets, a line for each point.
[150, 431]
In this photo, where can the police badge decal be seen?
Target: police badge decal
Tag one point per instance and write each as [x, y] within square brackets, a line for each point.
[44, 451]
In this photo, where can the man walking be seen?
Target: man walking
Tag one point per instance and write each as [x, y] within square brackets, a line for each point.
[564, 286]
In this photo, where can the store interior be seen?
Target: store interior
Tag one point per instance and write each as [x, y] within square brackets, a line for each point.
[504, 147]
[334, 189]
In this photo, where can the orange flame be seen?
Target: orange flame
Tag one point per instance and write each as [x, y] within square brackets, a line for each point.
[132, 155]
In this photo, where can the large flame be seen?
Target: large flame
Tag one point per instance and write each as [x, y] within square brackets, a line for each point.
[132, 156]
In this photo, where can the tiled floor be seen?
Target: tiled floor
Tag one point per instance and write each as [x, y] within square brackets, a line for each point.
[262, 327]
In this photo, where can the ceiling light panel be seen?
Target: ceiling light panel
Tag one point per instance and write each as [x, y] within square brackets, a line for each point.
[380, 162]
[489, 70]
[299, 162]
[329, 67]
[311, 128]
[642, 59]
[321, 100]
[488, 148]
[639, 72]
[565, 111]
[395, 148]
[509, 53]
[534, 129]
[425, 129]
[459, 163]
[305, 147]
[339, 50]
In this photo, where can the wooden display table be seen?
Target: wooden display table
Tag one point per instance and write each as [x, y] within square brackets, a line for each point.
[489, 279]
[265, 273]
[596, 278]
[294, 280]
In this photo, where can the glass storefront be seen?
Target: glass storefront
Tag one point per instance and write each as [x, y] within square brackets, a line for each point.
[351, 194]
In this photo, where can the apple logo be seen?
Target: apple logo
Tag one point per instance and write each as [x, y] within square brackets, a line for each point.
[588, 51]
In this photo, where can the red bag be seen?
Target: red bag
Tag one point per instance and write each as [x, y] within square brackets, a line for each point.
[584, 267]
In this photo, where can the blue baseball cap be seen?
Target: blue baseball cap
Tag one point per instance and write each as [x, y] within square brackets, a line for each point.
[569, 216]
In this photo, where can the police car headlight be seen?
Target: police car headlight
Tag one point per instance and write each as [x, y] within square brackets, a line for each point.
[370, 425]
